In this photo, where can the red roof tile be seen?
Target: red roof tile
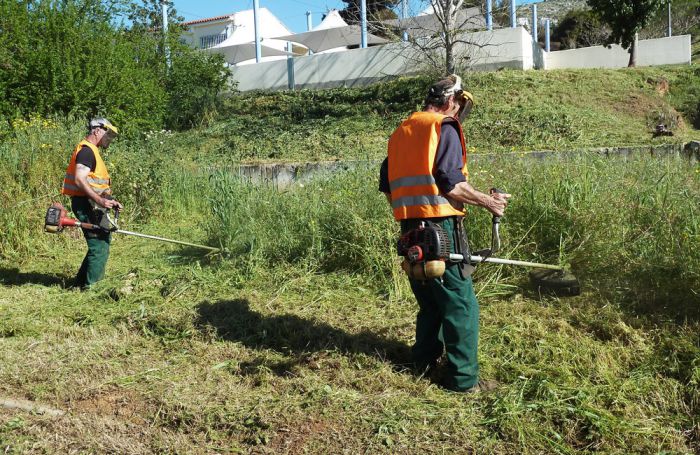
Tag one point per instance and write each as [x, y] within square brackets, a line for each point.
[209, 19]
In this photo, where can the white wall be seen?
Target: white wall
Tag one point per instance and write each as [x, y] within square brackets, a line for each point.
[503, 48]
[665, 51]
[660, 51]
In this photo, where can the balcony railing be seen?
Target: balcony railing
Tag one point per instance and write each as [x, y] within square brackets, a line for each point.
[205, 42]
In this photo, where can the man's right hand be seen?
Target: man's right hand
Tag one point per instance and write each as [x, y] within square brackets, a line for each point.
[110, 203]
[496, 203]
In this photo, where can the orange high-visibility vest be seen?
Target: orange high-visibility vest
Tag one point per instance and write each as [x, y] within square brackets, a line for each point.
[412, 150]
[98, 179]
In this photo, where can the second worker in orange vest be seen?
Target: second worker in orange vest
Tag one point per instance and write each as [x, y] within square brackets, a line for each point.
[425, 178]
[88, 184]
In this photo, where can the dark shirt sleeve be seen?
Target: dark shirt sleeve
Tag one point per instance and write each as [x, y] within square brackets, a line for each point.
[448, 159]
[384, 177]
[86, 157]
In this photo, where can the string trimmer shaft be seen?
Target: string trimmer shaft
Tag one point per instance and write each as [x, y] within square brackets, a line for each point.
[57, 218]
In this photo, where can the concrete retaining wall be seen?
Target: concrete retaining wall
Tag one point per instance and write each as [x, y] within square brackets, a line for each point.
[661, 51]
[284, 174]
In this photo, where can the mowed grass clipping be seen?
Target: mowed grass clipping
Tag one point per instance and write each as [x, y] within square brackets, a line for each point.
[298, 339]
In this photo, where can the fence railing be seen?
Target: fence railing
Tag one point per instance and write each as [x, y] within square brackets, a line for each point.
[205, 42]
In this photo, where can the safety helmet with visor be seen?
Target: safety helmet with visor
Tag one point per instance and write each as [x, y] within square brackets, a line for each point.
[463, 97]
[111, 131]
[449, 86]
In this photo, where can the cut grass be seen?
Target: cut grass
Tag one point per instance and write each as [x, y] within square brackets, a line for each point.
[317, 366]
[298, 341]
[174, 352]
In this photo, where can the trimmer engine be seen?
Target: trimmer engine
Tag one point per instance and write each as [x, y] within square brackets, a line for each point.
[428, 242]
[54, 215]
[425, 250]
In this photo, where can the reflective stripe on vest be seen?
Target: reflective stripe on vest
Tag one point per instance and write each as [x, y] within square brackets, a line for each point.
[412, 151]
[98, 179]
[408, 201]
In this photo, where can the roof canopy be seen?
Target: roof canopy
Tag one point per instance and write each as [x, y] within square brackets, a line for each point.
[240, 45]
[332, 32]
[332, 20]
[235, 53]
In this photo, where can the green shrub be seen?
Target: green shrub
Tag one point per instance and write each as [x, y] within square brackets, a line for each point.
[195, 83]
[580, 28]
[69, 57]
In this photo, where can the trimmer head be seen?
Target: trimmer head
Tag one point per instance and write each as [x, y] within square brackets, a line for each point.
[555, 281]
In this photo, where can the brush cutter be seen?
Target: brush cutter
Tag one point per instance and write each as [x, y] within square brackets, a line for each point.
[57, 218]
[426, 250]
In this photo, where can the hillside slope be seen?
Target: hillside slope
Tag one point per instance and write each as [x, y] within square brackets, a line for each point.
[515, 110]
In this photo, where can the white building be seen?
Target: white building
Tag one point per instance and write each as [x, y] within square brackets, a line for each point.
[237, 29]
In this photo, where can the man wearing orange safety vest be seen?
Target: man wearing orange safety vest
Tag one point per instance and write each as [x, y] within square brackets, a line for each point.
[425, 178]
[88, 184]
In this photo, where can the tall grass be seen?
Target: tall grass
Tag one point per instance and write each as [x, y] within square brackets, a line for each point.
[33, 163]
[334, 223]
[34, 154]
[626, 227]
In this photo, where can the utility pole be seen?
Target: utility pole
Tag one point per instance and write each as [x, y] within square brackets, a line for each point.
[363, 20]
[547, 25]
[669, 18]
[309, 26]
[489, 15]
[164, 9]
[256, 25]
[291, 84]
[513, 19]
[404, 16]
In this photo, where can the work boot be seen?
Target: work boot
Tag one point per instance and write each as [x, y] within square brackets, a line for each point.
[483, 386]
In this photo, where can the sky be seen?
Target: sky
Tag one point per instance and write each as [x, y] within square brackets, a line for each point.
[292, 13]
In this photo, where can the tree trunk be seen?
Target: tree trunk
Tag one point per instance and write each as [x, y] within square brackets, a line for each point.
[633, 54]
[447, 33]
[449, 55]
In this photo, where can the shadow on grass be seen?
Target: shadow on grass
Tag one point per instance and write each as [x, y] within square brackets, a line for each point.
[233, 320]
[13, 277]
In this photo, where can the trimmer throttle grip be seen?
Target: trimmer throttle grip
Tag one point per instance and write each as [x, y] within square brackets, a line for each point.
[496, 219]
[495, 223]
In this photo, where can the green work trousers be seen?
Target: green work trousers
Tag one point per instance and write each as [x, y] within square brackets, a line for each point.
[93, 267]
[448, 319]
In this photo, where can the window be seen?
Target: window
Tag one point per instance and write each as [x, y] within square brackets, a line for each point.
[208, 41]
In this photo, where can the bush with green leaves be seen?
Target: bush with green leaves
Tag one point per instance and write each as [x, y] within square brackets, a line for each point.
[70, 57]
[580, 28]
[194, 83]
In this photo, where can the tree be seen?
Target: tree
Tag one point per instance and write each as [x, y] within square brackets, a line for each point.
[439, 36]
[148, 15]
[70, 56]
[626, 18]
[377, 10]
[580, 28]
[685, 20]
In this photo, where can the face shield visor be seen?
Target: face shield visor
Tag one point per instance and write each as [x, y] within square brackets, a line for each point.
[108, 137]
[110, 130]
[462, 97]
